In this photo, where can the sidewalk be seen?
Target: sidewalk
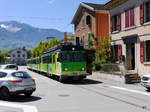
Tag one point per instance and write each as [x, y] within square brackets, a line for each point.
[115, 80]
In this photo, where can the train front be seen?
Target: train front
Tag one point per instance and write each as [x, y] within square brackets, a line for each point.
[73, 62]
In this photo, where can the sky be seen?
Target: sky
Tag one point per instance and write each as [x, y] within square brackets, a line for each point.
[55, 14]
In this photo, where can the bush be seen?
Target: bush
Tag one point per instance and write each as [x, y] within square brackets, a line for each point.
[97, 66]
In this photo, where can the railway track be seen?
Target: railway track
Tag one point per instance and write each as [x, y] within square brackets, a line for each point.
[99, 91]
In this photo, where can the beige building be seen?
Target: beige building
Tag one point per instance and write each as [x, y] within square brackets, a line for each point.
[18, 56]
[130, 32]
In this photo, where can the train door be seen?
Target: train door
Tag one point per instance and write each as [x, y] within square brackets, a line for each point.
[49, 64]
[58, 64]
[53, 64]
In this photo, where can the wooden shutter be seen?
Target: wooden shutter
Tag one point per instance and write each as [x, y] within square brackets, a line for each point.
[119, 22]
[142, 13]
[127, 19]
[119, 51]
[142, 51]
[132, 17]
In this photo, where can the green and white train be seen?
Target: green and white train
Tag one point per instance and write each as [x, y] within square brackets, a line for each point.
[65, 61]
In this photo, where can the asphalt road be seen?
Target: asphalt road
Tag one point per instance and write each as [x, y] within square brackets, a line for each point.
[89, 95]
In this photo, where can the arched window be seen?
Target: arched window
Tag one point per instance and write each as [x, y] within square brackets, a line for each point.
[88, 20]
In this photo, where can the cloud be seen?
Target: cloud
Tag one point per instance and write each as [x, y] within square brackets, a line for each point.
[3, 26]
[10, 28]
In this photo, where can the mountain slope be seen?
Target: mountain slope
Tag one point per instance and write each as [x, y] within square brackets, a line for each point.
[14, 34]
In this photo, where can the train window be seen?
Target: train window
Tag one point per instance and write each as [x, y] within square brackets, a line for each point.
[59, 57]
[72, 57]
[47, 59]
[34, 61]
[43, 60]
[53, 58]
[78, 57]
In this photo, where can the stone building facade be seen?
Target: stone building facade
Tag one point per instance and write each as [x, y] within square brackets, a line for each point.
[130, 32]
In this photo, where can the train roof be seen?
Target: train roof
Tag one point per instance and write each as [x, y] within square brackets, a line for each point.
[65, 48]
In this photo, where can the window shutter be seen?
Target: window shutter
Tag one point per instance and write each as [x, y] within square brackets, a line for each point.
[142, 51]
[142, 13]
[119, 51]
[132, 17]
[127, 18]
[119, 22]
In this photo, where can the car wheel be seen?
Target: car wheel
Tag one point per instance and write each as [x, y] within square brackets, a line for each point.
[28, 94]
[5, 94]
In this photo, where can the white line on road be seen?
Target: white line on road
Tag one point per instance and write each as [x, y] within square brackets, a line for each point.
[130, 90]
[25, 108]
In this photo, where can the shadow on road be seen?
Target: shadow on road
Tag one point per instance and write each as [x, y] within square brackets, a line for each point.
[147, 90]
[22, 98]
[82, 82]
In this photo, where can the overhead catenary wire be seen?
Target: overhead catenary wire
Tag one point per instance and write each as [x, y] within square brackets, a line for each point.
[38, 18]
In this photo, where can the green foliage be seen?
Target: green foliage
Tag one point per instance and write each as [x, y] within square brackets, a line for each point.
[102, 53]
[44, 46]
[89, 56]
[3, 57]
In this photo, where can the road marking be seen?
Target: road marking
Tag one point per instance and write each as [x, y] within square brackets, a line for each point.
[25, 108]
[130, 90]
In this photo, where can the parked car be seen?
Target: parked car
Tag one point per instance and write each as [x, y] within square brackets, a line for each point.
[9, 67]
[145, 81]
[14, 82]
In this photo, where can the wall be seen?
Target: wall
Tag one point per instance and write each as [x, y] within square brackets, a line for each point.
[102, 25]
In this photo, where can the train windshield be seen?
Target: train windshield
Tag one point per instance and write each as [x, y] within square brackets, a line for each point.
[72, 57]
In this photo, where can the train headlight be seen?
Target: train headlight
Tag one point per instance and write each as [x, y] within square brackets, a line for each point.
[66, 69]
[83, 69]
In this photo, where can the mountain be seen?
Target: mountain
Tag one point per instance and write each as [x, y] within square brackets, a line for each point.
[14, 34]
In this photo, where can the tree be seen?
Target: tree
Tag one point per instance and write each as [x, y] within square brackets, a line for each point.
[102, 51]
[44, 46]
[3, 57]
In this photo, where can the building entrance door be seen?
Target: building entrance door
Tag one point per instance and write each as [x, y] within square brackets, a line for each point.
[130, 56]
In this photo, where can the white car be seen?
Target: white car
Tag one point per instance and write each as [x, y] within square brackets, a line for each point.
[13, 82]
[8, 67]
[145, 81]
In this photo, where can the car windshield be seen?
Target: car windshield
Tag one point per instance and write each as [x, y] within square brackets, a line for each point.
[21, 75]
[14, 67]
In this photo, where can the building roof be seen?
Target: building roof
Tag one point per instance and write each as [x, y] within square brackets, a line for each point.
[114, 3]
[89, 6]
[95, 6]
[64, 48]
[18, 49]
